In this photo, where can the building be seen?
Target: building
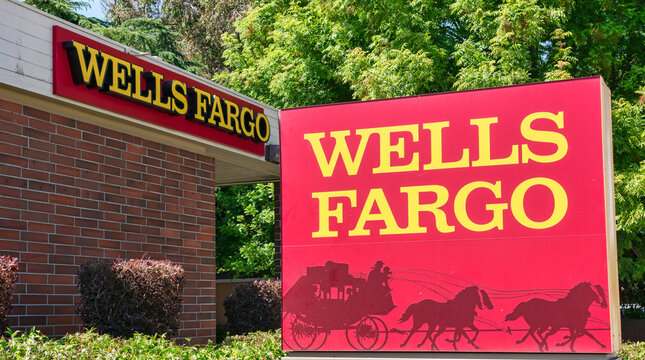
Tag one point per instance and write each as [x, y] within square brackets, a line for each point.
[119, 172]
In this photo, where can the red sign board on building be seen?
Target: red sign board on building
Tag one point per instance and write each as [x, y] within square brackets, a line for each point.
[467, 221]
[94, 73]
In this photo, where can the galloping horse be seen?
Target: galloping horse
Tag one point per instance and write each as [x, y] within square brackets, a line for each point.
[458, 313]
[570, 312]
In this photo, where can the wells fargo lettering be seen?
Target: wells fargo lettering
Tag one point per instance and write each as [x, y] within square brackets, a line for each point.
[118, 77]
[395, 142]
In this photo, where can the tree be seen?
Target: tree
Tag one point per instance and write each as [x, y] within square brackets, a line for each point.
[313, 52]
[200, 23]
[245, 230]
[295, 53]
[143, 34]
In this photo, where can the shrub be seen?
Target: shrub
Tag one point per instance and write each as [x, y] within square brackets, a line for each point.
[121, 297]
[8, 275]
[632, 351]
[255, 306]
[92, 346]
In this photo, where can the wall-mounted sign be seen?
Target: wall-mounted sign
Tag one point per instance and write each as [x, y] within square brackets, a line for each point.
[469, 221]
[94, 73]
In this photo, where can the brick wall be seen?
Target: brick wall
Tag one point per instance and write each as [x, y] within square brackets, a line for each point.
[72, 192]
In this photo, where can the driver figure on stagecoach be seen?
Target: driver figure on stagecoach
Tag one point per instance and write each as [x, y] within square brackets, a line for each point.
[377, 289]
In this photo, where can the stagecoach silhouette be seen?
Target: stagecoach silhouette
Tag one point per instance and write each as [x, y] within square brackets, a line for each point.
[328, 298]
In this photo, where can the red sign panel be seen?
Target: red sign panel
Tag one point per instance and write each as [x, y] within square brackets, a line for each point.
[94, 73]
[468, 221]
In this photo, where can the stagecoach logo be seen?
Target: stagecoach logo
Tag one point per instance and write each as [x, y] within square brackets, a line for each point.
[329, 299]
[115, 76]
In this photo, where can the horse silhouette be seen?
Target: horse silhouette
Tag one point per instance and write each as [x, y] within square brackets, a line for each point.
[458, 313]
[545, 317]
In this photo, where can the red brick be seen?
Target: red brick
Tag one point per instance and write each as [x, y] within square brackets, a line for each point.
[42, 125]
[6, 235]
[40, 247]
[116, 144]
[67, 250]
[60, 320]
[10, 106]
[66, 289]
[35, 195]
[60, 299]
[39, 289]
[61, 259]
[88, 127]
[62, 220]
[61, 199]
[32, 320]
[10, 149]
[61, 179]
[35, 133]
[29, 257]
[68, 151]
[40, 268]
[33, 299]
[61, 239]
[60, 279]
[67, 230]
[61, 120]
[87, 146]
[69, 132]
[66, 269]
[31, 112]
[40, 227]
[92, 233]
[92, 252]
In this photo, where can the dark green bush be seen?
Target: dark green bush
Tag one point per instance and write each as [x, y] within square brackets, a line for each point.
[121, 297]
[255, 306]
[8, 275]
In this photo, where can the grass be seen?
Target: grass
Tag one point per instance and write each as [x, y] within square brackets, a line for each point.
[90, 345]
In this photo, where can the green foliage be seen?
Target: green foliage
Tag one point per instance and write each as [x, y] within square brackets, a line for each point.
[632, 351]
[64, 9]
[245, 230]
[148, 35]
[629, 183]
[144, 34]
[505, 45]
[255, 306]
[201, 23]
[122, 297]
[90, 345]
[312, 52]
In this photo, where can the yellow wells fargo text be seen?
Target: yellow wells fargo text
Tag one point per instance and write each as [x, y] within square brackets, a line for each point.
[376, 205]
[118, 77]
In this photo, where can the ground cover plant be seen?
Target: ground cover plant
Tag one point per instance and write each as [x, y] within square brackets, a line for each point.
[633, 351]
[90, 345]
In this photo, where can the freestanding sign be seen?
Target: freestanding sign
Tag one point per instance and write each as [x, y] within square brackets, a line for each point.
[478, 221]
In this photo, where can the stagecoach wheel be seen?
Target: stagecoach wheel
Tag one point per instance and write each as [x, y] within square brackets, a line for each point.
[305, 336]
[382, 334]
[369, 334]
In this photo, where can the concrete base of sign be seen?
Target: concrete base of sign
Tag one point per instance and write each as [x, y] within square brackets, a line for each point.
[443, 356]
